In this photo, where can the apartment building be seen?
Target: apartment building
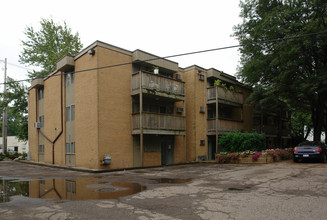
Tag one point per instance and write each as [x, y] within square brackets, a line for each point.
[275, 125]
[82, 113]
[110, 108]
[213, 110]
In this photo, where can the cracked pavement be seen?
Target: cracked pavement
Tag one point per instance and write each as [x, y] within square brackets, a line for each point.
[282, 190]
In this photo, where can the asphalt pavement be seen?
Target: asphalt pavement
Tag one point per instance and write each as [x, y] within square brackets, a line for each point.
[280, 190]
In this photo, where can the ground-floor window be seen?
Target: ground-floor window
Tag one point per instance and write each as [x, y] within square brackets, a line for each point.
[70, 148]
[41, 148]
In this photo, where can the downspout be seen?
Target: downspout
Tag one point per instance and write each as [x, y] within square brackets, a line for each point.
[61, 118]
[61, 112]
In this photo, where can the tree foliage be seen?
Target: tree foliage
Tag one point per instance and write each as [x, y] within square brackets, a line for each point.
[43, 48]
[15, 100]
[292, 70]
[239, 142]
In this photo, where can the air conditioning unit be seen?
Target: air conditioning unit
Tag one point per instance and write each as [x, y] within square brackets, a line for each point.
[37, 125]
[178, 76]
[202, 109]
[180, 110]
[201, 77]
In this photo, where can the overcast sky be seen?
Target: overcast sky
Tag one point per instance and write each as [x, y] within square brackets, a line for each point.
[162, 28]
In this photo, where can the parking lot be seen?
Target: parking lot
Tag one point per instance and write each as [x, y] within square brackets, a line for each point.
[281, 190]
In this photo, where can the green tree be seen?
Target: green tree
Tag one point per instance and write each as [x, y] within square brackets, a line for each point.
[301, 125]
[293, 70]
[43, 48]
[17, 112]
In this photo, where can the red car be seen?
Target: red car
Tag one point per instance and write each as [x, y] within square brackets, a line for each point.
[310, 150]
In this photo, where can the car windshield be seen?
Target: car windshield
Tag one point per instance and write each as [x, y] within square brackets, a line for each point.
[310, 143]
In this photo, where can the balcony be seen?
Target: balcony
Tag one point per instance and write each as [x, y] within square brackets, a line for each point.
[268, 130]
[226, 96]
[159, 124]
[158, 85]
[224, 126]
[286, 132]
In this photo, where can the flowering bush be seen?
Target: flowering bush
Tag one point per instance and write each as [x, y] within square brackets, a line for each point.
[256, 156]
[247, 153]
[276, 154]
[280, 154]
[224, 157]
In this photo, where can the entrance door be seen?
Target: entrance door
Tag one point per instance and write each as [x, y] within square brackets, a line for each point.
[167, 153]
[211, 147]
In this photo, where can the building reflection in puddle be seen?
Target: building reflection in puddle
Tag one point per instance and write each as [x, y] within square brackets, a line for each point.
[68, 189]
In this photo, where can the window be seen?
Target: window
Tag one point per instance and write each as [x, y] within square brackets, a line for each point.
[68, 113]
[41, 120]
[70, 148]
[70, 79]
[40, 93]
[72, 114]
[67, 148]
[162, 109]
[41, 148]
[71, 187]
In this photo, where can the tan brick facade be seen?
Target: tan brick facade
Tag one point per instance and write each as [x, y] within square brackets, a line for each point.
[128, 112]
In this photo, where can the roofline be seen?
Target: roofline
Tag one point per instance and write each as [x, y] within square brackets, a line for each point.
[194, 66]
[105, 45]
[161, 58]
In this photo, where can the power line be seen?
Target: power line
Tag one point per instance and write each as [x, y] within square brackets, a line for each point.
[18, 66]
[179, 55]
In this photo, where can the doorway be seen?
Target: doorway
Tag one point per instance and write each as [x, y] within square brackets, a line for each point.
[167, 153]
[211, 147]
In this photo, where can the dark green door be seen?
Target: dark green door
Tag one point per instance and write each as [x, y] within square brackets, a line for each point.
[167, 153]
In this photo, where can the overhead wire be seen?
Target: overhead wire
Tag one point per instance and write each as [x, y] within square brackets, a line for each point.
[176, 55]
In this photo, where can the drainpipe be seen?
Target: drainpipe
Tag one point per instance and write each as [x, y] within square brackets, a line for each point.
[141, 121]
[61, 112]
[217, 123]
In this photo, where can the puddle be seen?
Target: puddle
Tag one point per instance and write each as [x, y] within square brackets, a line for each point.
[235, 189]
[169, 180]
[67, 189]
[239, 189]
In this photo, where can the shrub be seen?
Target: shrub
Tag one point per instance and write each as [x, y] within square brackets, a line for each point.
[227, 157]
[239, 142]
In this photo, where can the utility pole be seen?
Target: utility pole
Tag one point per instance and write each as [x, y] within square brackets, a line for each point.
[4, 116]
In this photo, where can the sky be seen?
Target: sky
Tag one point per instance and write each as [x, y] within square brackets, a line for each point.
[159, 27]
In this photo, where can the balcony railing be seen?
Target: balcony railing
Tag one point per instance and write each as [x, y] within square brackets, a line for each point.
[157, 84]
[224, 125]
[226, 95]
[153, 121]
